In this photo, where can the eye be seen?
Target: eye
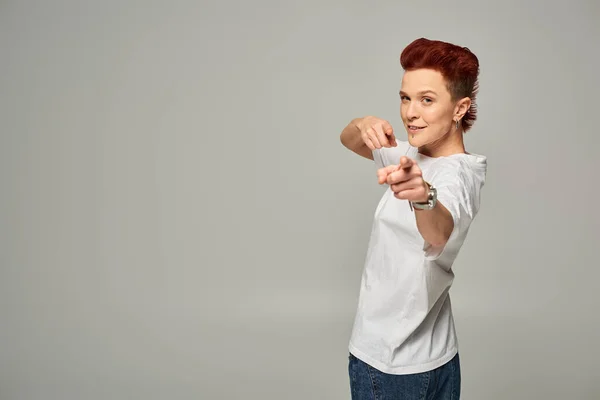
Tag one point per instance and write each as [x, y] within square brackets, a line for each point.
[404, 98]
[427, 100]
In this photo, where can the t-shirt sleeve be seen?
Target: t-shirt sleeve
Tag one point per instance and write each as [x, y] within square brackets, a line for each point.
[458, 190]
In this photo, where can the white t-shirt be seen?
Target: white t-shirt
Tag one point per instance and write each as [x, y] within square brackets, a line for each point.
[404, 321]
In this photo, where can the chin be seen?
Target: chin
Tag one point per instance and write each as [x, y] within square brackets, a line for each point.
[416, 141]
[422, 139]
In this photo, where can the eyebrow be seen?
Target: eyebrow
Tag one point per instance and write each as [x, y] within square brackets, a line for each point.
[421, 93]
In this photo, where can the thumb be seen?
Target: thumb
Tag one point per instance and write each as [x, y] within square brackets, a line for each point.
[387, 128]
[393, 140]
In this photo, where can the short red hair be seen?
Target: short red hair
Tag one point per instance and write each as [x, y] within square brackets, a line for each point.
[458, 65]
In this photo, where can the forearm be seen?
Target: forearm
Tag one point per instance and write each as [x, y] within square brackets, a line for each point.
[435, 225]
[350, 137]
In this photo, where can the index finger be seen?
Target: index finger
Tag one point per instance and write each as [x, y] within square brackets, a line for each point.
[405, 163]
[387, 128]
[383, 139]
[389, 131]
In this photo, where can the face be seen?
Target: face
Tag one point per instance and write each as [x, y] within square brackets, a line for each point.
[427, 108]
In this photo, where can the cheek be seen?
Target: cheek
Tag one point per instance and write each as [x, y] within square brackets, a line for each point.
[435, 116]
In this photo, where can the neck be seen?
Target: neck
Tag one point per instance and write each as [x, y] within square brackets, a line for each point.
[451, 143]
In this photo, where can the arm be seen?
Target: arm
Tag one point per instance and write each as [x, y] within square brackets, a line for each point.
[406, 181]
[435, 225]
[350, 138]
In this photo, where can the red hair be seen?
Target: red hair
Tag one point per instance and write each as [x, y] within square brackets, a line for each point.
[458, 65]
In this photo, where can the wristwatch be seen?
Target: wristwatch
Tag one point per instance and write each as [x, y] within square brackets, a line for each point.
[431, 199]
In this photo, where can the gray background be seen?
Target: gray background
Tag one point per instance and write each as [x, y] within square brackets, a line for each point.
[179, 220]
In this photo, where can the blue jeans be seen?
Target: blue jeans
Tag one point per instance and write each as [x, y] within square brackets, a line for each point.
[368, 383]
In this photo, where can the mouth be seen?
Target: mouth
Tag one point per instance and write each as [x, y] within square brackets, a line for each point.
[414, 128]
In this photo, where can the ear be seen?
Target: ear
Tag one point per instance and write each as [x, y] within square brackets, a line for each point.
[462, 106]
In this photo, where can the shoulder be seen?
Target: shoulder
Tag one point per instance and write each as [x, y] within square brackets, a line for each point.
[462, 169]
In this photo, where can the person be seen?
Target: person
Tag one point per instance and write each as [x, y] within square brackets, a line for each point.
[403, 343]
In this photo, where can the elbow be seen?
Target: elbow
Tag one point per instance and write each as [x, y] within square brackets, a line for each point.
[439, 243]
[435, 240]
[439, 239]
[342, 139]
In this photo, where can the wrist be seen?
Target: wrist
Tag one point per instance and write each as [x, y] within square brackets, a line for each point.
[426, 189]
[429, 202]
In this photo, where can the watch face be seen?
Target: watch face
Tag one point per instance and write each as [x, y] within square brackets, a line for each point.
[433, 193]
[431, 199]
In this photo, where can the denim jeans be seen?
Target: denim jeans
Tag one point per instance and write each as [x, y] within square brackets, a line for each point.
[368, 383]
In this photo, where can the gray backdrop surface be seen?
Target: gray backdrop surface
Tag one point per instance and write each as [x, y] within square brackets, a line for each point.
[178, 219]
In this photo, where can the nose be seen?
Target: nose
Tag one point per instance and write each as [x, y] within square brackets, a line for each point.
[412, 111]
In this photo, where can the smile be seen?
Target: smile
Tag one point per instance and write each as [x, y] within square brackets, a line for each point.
[413, 128]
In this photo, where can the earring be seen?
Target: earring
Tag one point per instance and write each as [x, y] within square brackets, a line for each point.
[457, 124]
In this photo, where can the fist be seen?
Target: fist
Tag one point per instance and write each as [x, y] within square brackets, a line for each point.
[405, 180]
[376, 133]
